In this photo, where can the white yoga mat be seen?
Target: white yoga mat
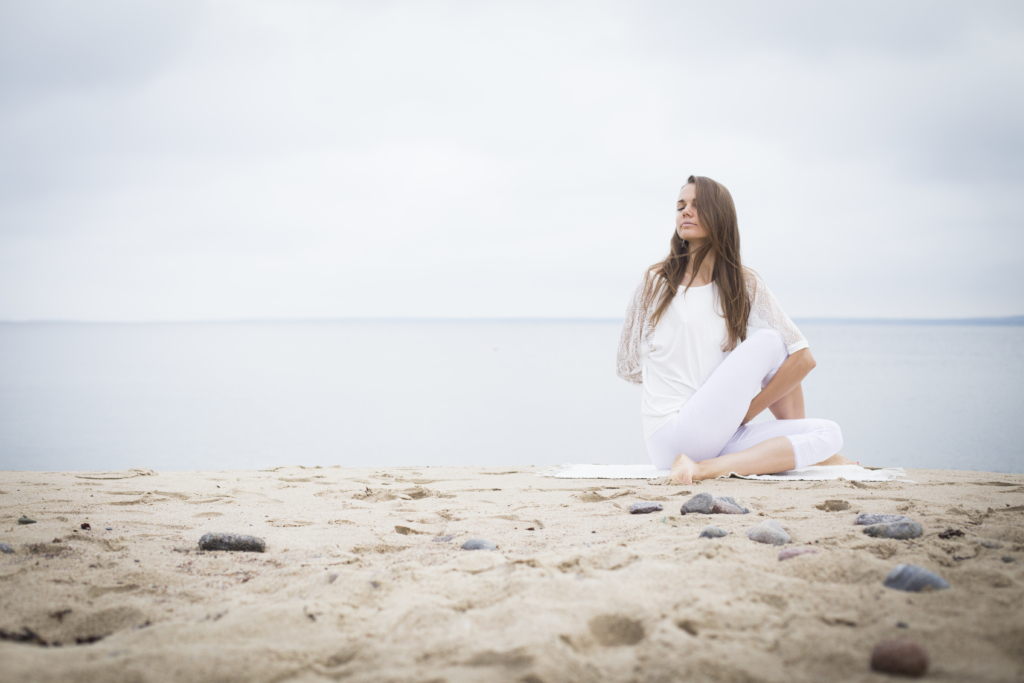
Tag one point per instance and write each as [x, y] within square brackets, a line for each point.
[848, 472]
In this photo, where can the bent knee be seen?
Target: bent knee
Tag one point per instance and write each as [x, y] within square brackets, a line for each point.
[833, 436]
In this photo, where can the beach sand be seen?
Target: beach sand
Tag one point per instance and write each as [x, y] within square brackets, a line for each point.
[355, 584]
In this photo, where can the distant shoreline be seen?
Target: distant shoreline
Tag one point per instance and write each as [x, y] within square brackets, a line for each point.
[1002, 321]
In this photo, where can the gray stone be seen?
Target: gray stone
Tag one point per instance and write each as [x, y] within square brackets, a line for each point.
[6, 549]
[25, 520]
[644, 508]
[867, 518]
[713, 532]
[443, 539]
[910, 577]
[899, 530]
[989, 543]
[237, 542]
[109, 528]
[1008, 559]
[702, 503]
[769, 532]
[727, 506]
[479, 544]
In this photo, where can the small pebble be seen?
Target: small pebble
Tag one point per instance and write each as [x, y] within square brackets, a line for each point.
[900, 656]
[109, 528]
[6, 549]
[702, 503]
[834, 505]
[713, 532]
[86, 526]
[910, 577]
[902, 624]
[479, 544]
[237, 542]
[988, 543]
[867, 518]
[1007, 559]
[644, 508]
[898, 530]
[727, 506]
[787, 553]
[769, 532]
[25, 520]
[950, 533]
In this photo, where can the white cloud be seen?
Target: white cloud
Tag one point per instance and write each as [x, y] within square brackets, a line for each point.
[312, 159]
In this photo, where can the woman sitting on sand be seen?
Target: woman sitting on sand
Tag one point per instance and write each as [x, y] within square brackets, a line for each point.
[713, 349]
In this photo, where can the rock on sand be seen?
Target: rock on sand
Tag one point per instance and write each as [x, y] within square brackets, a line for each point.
[769, 532]
[644, 508]
[479, 544]
[236, 542]
[910, 577]
[900, 530]
[900, 656]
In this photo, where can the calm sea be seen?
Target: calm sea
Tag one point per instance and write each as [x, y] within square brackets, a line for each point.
[356, 394]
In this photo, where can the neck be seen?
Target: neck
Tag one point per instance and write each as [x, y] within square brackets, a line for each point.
[707, 268]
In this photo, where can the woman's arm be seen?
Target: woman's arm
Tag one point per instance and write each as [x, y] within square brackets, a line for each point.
[628, 361]
[788, 378]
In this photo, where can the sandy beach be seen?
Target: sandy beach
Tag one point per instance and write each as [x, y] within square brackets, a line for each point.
[364, 578]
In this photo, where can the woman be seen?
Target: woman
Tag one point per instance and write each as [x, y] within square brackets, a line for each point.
[713, 349]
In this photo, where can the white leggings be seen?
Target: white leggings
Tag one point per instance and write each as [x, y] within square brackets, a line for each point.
[708, 425]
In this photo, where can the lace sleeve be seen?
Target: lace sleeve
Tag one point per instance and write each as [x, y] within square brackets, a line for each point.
[765, 311]
[635, 333]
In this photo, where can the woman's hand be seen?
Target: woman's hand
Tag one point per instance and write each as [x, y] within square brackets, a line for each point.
[790, 375]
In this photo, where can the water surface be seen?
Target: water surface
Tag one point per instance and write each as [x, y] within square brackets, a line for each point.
[245, 395]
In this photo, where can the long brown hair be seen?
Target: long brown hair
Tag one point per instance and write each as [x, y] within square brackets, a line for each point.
[717, 215]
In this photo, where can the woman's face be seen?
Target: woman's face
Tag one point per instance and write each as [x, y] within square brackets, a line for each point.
[688, 225]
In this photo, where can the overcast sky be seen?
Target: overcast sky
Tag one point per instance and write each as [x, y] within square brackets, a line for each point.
[219, 160]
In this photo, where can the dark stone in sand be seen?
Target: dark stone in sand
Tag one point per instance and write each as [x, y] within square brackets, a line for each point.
[1007, 559]
[834, 505]
[644, 508]
[988, 543]
[909, 577]
[713, 532]
[788, 553]
[237, 542]
[702, 503]
[109, 528]
[479, 544]
[900, 656]
[770, 532]
[727, 506]
[86, 526]
[25, 520]
[866, 518]
[950, 533]
[898, 530]
[6, 549]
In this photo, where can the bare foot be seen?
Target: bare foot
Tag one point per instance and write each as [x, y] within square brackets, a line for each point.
[834, 460]
[683, 470]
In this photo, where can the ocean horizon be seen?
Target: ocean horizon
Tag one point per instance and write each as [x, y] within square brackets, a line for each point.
[357, 393]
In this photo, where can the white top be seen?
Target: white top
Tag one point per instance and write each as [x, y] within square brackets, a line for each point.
[674, 360]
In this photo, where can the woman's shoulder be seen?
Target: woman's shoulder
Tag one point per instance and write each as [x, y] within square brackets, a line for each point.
[753, 279]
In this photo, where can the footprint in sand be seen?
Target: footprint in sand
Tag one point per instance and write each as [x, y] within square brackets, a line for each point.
[613, 630]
